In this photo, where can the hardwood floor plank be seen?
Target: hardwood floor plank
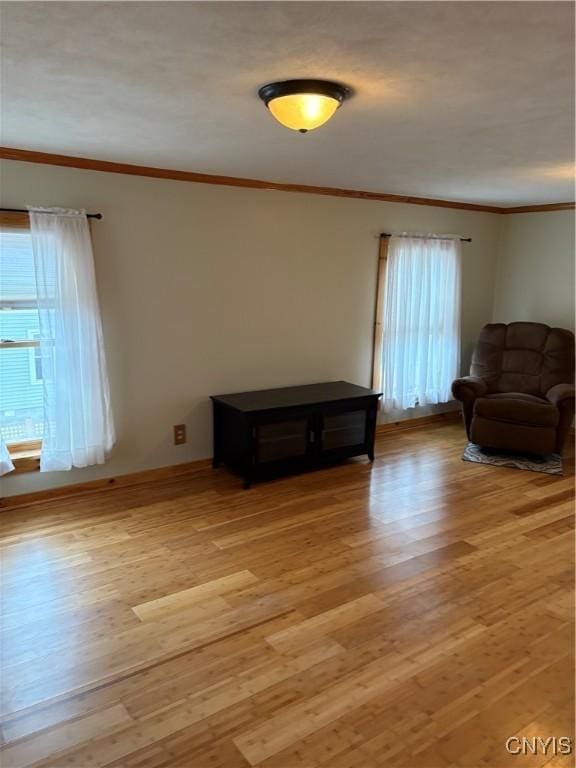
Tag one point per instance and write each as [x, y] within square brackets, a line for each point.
[294, 723]
[323, 624]
[178, 601]
[65, 736]
[385, 577]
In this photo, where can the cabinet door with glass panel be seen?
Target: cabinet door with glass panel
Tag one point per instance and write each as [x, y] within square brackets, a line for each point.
[345, 428]
[283, 438]
[21, 385]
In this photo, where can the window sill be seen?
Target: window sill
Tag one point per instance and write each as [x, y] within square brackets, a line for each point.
[25, 458]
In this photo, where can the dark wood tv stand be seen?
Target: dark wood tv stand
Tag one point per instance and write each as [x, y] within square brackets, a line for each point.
[274, 431]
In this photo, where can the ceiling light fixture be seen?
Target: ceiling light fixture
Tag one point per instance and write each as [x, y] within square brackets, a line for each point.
[303, 105]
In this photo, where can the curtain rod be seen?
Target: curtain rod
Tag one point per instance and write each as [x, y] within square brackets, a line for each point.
[428, 237]
[24, 210]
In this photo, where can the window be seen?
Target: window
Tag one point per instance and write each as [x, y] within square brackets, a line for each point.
[21, 399]
[51, 332]
[417, 338]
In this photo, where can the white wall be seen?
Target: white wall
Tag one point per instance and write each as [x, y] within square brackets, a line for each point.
[536, 269]
[207, 289]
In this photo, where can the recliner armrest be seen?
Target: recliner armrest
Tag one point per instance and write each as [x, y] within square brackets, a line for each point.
[469, 388]
[560, 392]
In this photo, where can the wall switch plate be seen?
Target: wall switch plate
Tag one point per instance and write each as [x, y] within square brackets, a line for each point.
[179, 434]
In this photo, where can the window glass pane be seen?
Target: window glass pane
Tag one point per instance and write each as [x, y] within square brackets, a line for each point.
[21, 390]
[21, 395]
[16, 266]
[19, 324]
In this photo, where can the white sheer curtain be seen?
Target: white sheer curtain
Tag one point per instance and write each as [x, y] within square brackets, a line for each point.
[78, 423]
[6, 464]
[421, 338]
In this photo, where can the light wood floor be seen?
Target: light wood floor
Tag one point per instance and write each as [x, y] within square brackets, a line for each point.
[416, 613]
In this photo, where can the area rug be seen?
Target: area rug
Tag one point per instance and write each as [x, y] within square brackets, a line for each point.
[550, 464]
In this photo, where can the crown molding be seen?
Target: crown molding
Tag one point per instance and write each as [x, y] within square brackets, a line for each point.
[540, 208]
[106, 166]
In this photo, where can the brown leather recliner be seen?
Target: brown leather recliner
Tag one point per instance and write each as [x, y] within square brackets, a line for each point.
[520, 394]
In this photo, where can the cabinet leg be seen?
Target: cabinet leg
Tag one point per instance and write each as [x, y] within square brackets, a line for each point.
[371, 455]
[247, 484]
[215, 463]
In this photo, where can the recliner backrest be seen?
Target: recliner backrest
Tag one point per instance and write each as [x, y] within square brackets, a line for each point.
[523, 357]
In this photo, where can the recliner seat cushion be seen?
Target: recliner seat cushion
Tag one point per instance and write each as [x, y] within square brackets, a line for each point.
[512, 436]
[517, 407]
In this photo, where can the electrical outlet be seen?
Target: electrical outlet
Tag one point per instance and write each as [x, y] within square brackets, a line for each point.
[179, 434]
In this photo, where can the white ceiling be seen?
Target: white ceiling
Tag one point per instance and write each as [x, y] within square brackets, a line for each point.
[469, 101]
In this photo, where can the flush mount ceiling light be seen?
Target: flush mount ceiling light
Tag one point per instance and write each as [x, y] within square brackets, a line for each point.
[303, 105]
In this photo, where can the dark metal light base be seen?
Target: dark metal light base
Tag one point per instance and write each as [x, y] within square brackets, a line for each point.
[336, 91]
